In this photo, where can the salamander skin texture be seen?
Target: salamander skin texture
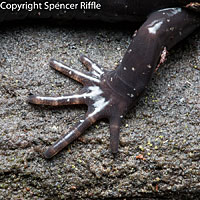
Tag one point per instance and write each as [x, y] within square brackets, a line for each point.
[110, 94]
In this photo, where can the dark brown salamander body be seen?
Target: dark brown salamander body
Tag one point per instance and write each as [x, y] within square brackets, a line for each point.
[110, 94]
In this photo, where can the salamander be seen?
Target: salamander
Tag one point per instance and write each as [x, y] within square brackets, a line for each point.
[110, 94]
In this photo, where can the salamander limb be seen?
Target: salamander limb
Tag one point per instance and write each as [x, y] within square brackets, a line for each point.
[102, 102]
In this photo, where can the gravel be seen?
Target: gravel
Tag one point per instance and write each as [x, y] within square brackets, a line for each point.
[164, 127]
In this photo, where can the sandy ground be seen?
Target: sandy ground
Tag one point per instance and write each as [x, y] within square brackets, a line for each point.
[164, 127]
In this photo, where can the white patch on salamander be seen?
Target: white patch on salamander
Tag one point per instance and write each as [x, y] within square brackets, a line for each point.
[154, 26]
[170, 11]
[99, 101]
[95, 67]
[70, 71]
[130, 50]
[94, 94]
[149, 66]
